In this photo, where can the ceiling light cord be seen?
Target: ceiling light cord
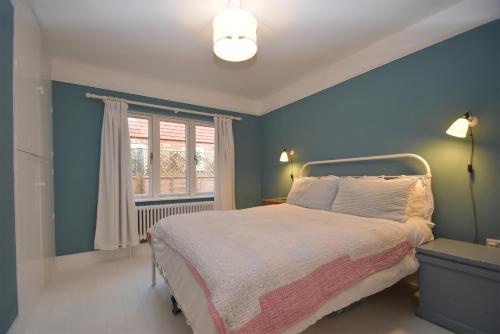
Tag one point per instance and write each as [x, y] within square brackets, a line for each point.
[234, 4]
[470, 169]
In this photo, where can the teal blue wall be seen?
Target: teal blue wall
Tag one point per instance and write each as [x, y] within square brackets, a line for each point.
[77, 134]
[406, 106]
[8, 285]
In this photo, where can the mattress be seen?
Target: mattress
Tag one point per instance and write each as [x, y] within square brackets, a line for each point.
[184, 283]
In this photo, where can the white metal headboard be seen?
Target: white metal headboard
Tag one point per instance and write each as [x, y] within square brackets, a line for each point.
[375, 157]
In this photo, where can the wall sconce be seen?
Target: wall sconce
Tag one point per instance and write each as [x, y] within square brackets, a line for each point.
[287, 156]
[459, 129]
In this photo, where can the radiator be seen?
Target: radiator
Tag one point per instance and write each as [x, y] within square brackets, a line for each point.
[148, 215]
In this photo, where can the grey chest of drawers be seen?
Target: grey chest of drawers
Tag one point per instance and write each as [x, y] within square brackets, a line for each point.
[460, 286]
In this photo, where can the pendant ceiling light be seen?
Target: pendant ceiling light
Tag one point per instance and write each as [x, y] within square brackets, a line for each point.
[235, 34]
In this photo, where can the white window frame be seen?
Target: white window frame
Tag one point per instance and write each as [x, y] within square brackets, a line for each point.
[154, 147]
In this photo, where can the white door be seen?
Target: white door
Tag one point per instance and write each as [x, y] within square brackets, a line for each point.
[47, 218]
[34, 227]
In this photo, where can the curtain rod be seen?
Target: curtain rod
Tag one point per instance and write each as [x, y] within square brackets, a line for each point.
[157, 106]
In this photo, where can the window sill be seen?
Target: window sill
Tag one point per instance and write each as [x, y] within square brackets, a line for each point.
[172, 198]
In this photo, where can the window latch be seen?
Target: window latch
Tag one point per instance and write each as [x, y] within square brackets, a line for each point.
[151, 156]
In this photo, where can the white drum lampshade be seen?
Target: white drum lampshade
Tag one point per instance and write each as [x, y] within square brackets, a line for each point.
[235, 35]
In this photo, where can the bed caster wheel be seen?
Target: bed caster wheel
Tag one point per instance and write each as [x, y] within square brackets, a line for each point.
[175, 307]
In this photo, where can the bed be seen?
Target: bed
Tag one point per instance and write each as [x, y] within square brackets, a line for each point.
[281, 268]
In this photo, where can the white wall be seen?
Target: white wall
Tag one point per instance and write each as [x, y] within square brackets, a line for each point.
[35, 243]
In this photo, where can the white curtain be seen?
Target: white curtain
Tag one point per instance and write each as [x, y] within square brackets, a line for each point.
[224, 164]
[116, 219]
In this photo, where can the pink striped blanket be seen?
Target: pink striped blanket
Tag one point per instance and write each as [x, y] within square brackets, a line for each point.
[265, 269]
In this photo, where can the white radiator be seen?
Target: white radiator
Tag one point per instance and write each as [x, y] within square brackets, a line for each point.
[148, 215]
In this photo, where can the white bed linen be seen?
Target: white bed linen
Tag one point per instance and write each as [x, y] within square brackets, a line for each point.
[193, 301]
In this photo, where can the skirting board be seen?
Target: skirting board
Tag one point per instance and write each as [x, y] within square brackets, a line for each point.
[67, 262]
[445, 322]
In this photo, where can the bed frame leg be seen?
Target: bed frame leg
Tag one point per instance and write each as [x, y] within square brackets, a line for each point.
[175, 307]
[153, 268]
[153, 273]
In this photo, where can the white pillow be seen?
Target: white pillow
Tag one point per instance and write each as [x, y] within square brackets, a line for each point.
[313, 192]
[421, 201]
[373, 198]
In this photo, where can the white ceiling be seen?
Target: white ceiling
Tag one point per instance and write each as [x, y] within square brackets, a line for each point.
[164, 47]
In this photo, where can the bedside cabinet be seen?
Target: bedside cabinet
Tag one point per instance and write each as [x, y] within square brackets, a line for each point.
[460, 286]
[272, 201]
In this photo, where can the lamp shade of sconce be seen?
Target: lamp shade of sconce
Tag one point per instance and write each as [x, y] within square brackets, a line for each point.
[235, 34]
[461, 126]
[284, 156]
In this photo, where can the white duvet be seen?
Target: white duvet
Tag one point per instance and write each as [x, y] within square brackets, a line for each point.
[245, 256]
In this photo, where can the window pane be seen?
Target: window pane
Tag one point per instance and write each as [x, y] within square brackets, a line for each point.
[173, 158]
[205, 138]
[139, 154]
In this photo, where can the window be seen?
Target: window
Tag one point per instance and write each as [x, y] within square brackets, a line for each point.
[171, 157]
[204, 158]
[139, 130]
